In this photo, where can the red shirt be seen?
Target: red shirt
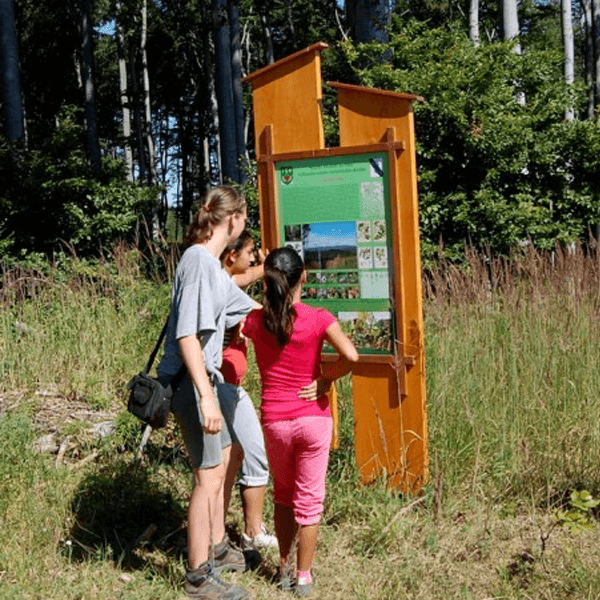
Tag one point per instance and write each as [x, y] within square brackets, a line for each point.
[235, 365]
[285, 370]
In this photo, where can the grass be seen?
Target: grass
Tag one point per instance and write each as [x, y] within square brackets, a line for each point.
[512, 381]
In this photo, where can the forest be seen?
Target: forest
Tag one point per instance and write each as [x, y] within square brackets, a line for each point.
[117, 116]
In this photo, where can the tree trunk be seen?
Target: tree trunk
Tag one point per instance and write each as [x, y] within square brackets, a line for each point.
[88, 86]
[211, 142]
[589, 55]
[474, 22]
[155, 224]
[149, 140]
[369, 19]
[510, 22]
[224, 90]
[569, 49]
[596, 35]
[269, 53]
[510, 28]
[290, 18]
[125, 103]
[236, 74]
[137, 117]
[11, 79]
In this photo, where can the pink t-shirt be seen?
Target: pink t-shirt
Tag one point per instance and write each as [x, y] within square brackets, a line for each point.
[285, 370]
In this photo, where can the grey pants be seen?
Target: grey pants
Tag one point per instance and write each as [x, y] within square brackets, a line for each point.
[241, 418]
[205, 449]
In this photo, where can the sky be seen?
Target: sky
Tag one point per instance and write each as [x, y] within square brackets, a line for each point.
[106, 29]
[339, 233]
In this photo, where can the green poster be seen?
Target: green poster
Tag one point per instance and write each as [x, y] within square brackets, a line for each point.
[335, 213]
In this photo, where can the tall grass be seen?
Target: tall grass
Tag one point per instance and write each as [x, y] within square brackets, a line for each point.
[512, 354]
[79, 327]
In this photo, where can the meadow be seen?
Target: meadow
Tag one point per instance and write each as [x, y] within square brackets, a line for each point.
[512, 354]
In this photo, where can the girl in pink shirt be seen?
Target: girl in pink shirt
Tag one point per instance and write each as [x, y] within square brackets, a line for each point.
[288, 338]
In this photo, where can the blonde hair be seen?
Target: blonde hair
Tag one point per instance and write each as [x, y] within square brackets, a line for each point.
[216, 205]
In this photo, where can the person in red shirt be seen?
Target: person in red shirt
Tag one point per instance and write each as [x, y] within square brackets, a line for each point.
[288, 337]
[238, 409]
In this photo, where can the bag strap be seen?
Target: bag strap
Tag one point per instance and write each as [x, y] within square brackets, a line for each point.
[179, 375]
[157, 346]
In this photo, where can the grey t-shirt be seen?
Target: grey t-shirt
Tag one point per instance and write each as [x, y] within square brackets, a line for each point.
[205, 301]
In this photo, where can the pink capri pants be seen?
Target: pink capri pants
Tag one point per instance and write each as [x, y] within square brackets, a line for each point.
[298, 451]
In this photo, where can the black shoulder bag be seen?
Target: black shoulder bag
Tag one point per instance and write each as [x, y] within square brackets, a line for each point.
[149, 400]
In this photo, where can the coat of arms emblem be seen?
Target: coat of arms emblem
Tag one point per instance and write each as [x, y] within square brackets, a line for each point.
[287, 175]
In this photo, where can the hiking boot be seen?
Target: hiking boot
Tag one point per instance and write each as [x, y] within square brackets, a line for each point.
[227, 558]
[286, 578]
[264, 539]
[202, 583]
[303, 589]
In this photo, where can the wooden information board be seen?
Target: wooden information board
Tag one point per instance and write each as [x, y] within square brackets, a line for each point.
[352, 214]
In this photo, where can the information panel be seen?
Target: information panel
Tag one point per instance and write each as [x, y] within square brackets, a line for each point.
[335, 212]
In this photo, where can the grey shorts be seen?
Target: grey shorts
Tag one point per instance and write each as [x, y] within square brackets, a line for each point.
[241, 418]
[205, 449]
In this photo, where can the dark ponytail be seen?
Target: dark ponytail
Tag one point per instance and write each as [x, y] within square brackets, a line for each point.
[238, 245]
[283, 270]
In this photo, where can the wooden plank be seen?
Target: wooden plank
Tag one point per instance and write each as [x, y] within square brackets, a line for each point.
[333, 403]
[286, 94]
[340, 151]
[369, 116]
[388, 390]
[379, 445]
[388, 438]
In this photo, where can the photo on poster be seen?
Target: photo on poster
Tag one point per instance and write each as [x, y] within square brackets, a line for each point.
[297, 246]
[293, 233]
[347, 277]
[330, 245]
[368, 330]
[365, 258]
[363, 231]
[314, 292]
[372, 199]
[374, 284]
[381, 257]
[379, 230]
[335, 277]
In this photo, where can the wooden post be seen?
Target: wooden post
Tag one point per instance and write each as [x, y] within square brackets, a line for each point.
[368, 116]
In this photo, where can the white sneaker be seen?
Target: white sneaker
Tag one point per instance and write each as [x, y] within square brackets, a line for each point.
[265, 539]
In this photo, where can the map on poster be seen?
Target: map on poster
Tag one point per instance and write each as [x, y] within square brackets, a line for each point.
[335, 212]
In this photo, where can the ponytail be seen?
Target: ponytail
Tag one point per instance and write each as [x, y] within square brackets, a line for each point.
[283, 269]
[216, 205]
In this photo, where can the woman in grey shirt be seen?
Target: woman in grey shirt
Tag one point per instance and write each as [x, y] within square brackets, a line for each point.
[204, 302]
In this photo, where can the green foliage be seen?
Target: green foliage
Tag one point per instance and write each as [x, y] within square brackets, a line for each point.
[53, 199]
[578, 516]
[16, 435]
[81, 326]
[492, 170]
